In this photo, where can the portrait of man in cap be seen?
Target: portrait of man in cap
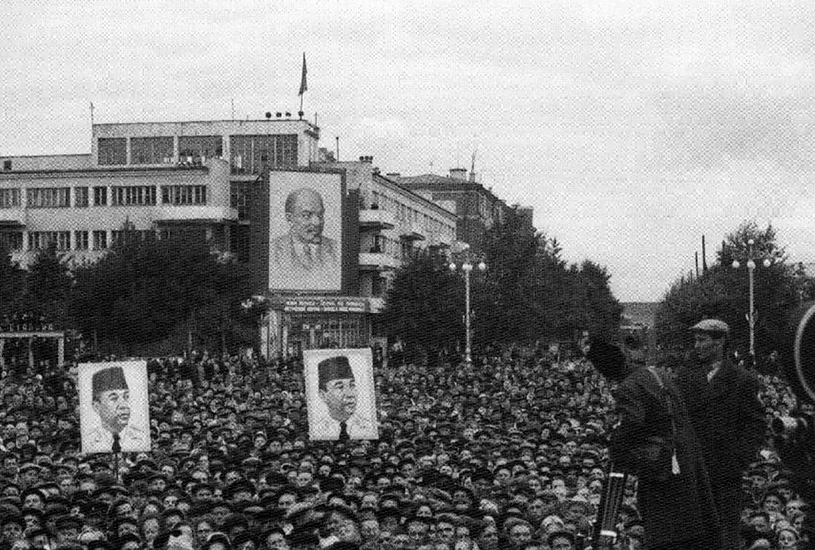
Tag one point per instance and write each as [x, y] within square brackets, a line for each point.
[108, 426]
[336, 412]
[304, 257]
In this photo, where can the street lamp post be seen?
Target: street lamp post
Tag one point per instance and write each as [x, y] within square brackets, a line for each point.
[751, 314]
[467, 268]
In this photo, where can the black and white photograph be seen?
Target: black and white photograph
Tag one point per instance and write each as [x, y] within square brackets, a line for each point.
[113, 407]
[427, 275]
[340, 394]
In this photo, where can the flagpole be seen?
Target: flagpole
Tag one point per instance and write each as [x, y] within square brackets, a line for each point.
[303, 85]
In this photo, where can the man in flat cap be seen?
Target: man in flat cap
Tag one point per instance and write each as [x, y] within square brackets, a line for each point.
[337, 389]
[727, 415]
[111, 401]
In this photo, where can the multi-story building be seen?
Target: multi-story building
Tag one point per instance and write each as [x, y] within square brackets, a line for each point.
[227, 181]
[478, 209]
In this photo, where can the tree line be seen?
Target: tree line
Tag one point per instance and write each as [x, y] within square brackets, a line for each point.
[145, 295]
[528, 294]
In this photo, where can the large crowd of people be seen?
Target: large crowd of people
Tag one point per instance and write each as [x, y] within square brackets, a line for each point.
[507, 453]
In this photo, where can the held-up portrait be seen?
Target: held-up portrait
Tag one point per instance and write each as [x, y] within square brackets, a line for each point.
[340, 394]
[113, 407]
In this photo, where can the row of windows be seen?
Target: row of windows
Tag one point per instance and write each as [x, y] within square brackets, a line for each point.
[126, 195]
[82, 240]
[249, 154]
[407, 215]
[9, 198]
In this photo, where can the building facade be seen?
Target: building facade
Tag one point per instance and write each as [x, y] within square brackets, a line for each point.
[228, 182]
[477, 208]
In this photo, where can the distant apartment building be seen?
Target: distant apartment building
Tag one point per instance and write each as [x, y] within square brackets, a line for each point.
[476, 207]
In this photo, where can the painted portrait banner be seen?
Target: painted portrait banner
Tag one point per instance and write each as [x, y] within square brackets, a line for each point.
[340, 394]
[114, 412]
[305, 231]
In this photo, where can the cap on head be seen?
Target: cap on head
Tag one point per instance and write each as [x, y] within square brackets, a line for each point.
[333, 368]
[714, 327]
[109, 379]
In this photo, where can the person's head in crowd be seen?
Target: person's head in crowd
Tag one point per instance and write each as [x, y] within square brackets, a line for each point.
[244, 541]
[68, 528]
[773, 503]
[33, 498]
[34, 518]
[13, 526]
[275, 539]
[389, 519]
[39, 539]
[150, 526]
[518, 532]
[487, 536]
[787, 538]
[760, 521]
[445, 528]
[418, 529]
[561, 540]
[710, 340]
[172, 517]
[369, 529]
[287, 498]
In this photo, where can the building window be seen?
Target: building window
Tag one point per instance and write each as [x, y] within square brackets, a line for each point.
[133, 195]
[116, 236]
[10, 198]
[100, 240]
[48, 197]
[38, 240]
[112, 151]
[6, 165]
[11, 240]
[239, 198]
[151, 150]
[80, 240]
[196, 149]
[100, 196]
[251, 154]
[80, 197]
[179, 195]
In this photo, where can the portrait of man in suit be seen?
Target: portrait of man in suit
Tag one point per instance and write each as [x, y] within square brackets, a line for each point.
[304, 254]
[340, 416]
[110, 401]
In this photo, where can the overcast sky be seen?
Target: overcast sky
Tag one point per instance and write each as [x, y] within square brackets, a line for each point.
[632, 127]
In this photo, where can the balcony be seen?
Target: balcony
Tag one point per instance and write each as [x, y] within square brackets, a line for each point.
[12, 217]
[411, 232]
[378, 261]
[374, 218]
[377, 305]
[187, 214]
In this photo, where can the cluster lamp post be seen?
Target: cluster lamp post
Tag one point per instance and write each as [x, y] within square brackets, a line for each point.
[751, 314]
[467, 267]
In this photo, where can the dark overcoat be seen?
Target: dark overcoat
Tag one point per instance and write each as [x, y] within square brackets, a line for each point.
[680, 508]
[729, 421]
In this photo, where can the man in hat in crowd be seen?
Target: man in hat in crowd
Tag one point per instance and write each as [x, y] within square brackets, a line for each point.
[727, 416]
[337, 389]
[111, 401]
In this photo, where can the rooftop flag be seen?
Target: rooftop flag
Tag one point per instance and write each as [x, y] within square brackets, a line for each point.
[303, 85]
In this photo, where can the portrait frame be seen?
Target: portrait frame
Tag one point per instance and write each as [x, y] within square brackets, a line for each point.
[361, 363]
[286, 270]
[135, 373]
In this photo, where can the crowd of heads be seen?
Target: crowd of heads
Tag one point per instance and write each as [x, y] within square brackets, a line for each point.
[509, 452]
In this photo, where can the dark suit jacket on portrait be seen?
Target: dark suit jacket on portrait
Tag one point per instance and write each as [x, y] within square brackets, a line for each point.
[318, 267]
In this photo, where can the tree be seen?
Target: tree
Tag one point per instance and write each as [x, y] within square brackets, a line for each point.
[425, 304]
[146, 290]
[48, 283]
[527, 294]
[723, 292]
[12, 285]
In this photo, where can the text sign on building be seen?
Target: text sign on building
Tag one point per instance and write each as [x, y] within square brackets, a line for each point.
[326, 305]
